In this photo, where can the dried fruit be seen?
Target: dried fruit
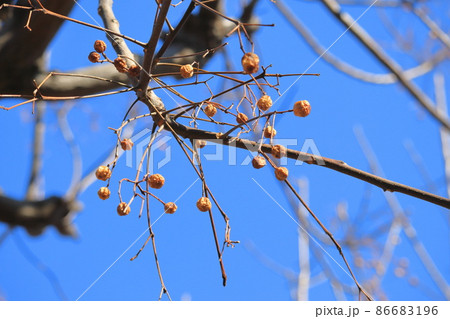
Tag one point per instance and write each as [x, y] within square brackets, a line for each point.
[156, 181]
[302, 108]
[269, 132]
[104, 193]
[170, 208]
[210, 110]
[134, 70]
[250, 63]
[281, 173]
[123, 209]
[278, 151]
[126, 144]
[121, 65]
[264, 103]
[186, 71]
[241, 118]
[99, 46]
[204, 204]
[258, 162]
[103, 173]
[94, 57]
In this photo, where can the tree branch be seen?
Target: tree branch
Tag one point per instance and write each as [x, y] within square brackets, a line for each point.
[340, 166]
[350, 70]
[35, 216]
[369, 43]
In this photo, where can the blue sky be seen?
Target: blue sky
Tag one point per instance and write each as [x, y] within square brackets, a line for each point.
[387, 114]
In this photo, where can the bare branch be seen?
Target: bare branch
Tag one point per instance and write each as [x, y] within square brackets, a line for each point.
[350, 70]
[26, 47]
[38, 148]
[340, 166]
[35, 216]
[366, 40]
[437, 31]
[401, 219]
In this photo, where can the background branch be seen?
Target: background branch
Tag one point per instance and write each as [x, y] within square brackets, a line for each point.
[366, 40]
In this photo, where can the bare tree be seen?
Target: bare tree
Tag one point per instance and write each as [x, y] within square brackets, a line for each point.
[179, 52]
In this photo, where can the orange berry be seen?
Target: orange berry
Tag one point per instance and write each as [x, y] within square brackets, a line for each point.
[241, 118]
[103, 173]
[170, 208]
[126, 144]
[281, 173]
[156, 181]
[99, 46]
[204, 204]
[264, 103]
[210, 110]
[94, 57]
[302, 108]
[278, 151]
[186, 71]
[250, 63]
[121, 65]
[258, 162]
[123, 209]
[104, 193]
[269, 132]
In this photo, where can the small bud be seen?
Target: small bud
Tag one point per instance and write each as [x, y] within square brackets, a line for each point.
[170, 208]
[281, 173]
[302, 108]
[99, 46]
[120, 65]
[94, 57]
[104, 193]
[264, 103]
[258, 162]
[269, 132]
[186, 71]
[250, 63]
[123, 209]
[210, 110]
[103, 173]
[134, 70]
[156, 181]
[278, 151]
[204, 204]
[241, 118]
[126, 144]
